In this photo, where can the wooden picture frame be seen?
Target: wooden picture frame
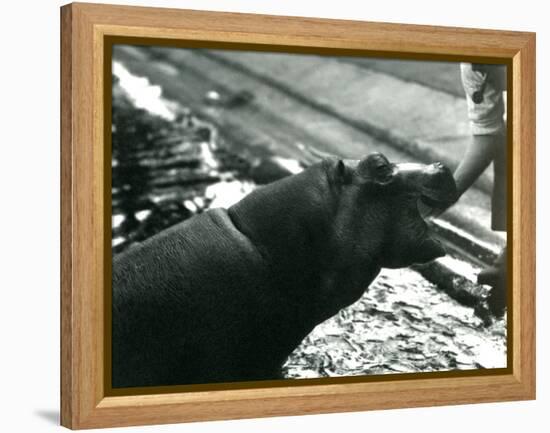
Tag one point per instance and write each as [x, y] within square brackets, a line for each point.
[85, 216]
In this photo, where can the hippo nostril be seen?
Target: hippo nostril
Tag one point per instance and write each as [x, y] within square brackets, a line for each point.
[438, 186]
[435, 168]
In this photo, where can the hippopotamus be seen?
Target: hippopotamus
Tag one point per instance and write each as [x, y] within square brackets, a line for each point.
[228, 294]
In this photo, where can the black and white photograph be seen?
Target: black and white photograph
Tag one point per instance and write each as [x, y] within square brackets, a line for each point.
[289, 216]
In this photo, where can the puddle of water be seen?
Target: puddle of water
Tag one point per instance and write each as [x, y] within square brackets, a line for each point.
[226, 194]
[143, 93]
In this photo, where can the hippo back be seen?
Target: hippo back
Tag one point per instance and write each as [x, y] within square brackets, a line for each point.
[178, 302]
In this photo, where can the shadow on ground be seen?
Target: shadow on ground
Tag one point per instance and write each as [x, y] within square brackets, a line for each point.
[49, 415]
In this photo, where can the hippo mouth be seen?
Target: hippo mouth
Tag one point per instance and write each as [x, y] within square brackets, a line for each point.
[434, 183]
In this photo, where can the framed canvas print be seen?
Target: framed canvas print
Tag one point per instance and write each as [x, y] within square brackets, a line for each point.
[268, 216]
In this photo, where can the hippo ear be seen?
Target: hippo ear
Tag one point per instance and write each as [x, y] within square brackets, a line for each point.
[343, 173]
[376, 168]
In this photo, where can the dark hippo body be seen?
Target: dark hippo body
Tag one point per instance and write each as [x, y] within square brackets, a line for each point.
[227, 295]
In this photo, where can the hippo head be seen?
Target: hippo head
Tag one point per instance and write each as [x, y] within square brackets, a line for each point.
[377, 218]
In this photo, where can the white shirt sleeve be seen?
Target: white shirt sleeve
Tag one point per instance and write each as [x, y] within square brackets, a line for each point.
[486, 117]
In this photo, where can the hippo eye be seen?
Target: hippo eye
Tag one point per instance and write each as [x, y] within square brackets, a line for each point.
[383, 170]
[376, 167]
